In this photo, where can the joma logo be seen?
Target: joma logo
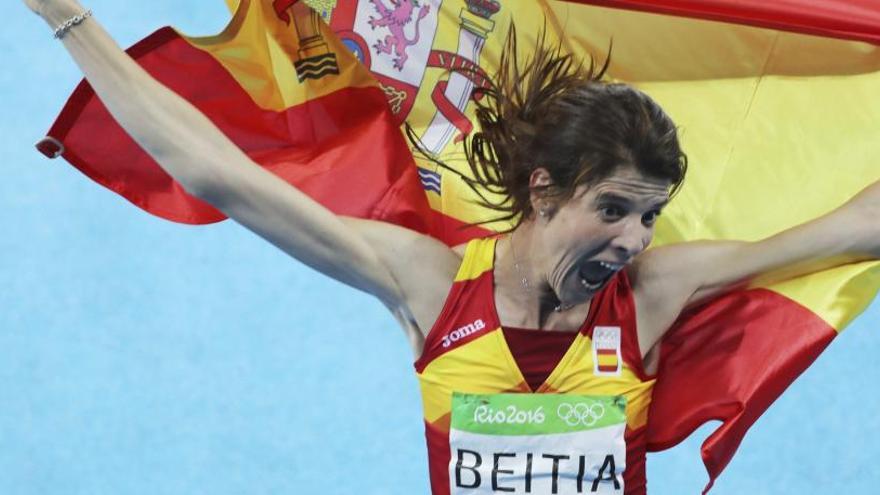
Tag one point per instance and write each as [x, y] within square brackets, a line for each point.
[462, 332]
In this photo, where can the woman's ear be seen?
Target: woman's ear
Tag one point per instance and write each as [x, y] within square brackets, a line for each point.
[540, 177]
[538, 181]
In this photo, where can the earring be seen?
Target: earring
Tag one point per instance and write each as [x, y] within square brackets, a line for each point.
[543, 212]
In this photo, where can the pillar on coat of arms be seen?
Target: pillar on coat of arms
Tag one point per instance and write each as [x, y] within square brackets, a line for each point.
[314, 59]
[476, 23]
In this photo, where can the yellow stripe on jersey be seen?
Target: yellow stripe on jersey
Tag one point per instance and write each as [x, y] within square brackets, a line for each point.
[478, 258]
[472, 368]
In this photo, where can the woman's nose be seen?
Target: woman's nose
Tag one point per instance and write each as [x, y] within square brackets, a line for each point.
[632, 240]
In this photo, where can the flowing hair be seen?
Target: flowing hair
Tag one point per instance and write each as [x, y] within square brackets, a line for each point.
[555, 112]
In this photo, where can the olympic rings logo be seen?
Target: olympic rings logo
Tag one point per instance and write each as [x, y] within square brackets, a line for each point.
[581, 413]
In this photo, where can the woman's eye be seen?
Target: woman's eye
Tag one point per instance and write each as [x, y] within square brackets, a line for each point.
[611, 211]
[651, 217]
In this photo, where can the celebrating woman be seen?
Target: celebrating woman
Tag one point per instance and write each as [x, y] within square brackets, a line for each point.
[535, 349]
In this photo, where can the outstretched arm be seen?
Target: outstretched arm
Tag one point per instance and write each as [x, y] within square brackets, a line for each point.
[192, 150]
[670, 278]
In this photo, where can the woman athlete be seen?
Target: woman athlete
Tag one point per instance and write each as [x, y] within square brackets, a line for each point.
[568, 303]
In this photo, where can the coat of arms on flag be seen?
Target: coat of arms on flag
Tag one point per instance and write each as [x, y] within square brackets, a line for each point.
[427, 56]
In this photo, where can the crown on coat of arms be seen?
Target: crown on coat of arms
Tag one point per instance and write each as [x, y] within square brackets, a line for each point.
[483, 8]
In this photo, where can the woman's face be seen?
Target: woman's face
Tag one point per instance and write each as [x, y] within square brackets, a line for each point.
[592, 236]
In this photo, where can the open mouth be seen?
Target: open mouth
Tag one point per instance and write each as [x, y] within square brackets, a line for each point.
[594, 274]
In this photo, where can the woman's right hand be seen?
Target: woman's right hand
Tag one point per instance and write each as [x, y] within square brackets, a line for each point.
[36, 6]
[54, 11]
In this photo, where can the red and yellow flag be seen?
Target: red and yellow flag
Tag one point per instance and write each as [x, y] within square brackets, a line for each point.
[776, 102]
[281, 86]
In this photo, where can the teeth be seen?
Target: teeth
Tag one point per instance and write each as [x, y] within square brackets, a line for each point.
[589, 285]
[611, 266]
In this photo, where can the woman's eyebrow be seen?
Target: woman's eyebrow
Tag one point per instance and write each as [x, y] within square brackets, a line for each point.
[613, 197]
[606, 196]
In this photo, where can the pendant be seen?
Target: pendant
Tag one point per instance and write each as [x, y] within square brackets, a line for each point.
[560, 307]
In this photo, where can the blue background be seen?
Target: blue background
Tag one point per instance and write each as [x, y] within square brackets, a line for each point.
[138, 356]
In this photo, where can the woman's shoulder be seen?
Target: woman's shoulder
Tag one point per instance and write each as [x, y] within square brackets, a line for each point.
[460, 249]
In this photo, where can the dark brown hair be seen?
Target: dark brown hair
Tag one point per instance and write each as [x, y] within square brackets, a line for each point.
[556, 113]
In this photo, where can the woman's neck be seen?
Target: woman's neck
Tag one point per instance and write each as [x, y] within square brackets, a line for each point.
[523, 297]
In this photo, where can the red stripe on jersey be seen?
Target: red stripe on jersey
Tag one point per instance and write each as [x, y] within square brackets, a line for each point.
[537, 352]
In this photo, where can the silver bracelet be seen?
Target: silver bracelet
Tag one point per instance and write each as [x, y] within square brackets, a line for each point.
[66, 26]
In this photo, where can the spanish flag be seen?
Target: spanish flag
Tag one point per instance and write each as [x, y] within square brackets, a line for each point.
[281, 86]
[776, 102]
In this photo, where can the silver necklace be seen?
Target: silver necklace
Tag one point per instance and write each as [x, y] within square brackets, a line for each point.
[516, 266]
[525, 279]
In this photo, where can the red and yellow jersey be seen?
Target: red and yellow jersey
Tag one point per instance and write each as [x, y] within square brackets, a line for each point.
[581, 431]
